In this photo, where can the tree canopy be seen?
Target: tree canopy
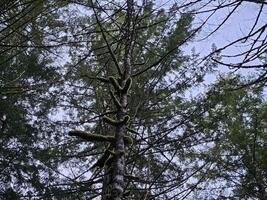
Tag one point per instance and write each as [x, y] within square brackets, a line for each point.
[103, 100]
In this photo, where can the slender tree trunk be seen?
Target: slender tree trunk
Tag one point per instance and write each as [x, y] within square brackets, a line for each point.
[113, 185]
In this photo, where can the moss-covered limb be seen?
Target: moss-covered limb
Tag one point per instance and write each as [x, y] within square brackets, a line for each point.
[102, 160]
[116, 123]
[126, 119]
[110, 121]
[115, 83]
[127, 86]
[92, 137]
[115, 100]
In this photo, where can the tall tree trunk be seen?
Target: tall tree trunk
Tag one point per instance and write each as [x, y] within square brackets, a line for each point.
[113, 185]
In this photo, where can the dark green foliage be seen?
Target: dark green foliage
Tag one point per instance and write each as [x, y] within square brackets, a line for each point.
[52, 80]
[27, 75]
[235, 122]
[154, 102]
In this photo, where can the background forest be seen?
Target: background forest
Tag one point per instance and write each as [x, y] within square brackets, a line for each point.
[104, 99]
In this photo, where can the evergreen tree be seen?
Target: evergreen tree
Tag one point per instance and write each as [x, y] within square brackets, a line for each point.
[95, 103]
[150, 40]
[235, 122]
[26, 77]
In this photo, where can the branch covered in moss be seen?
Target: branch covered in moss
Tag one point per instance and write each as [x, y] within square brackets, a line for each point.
[92, 137]
[127, 86]
[116, 123]
[115, 100]
[115, 83]
[106, 158]
[102, 160]
[118, 87]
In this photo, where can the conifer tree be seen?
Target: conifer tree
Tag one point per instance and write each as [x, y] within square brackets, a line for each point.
[133, 48]
[235, 123]
[26, 76]
[96, 104]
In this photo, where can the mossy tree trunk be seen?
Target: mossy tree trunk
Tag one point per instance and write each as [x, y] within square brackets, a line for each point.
[113, 185]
